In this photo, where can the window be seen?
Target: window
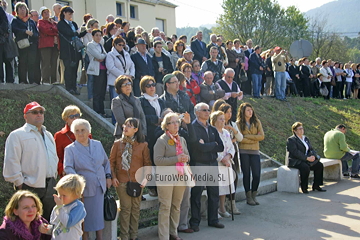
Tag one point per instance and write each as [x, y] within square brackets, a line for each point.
[133, 12]
[160, 23]
[119, 9]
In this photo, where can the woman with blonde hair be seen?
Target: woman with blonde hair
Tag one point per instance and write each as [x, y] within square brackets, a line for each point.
[170, 150]
[23, 218]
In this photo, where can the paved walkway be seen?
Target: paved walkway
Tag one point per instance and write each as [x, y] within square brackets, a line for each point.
[334, 214]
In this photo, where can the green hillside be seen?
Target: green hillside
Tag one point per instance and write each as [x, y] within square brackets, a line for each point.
[317, 115]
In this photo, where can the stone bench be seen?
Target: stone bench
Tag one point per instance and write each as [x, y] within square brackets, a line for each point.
[288, 179]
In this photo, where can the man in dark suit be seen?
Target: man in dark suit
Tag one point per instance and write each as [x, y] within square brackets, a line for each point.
[199, 48]
[246, 86]
[162, 66]
[208, 143]
[212, 43]
[143, 65]
[305, 76]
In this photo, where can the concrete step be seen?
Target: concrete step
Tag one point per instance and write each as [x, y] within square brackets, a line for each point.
[109, 120]
[108, 111]
[266, 173]
[267, 186]
[267, 163]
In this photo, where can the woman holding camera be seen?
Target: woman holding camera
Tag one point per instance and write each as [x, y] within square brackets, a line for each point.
[303, 157]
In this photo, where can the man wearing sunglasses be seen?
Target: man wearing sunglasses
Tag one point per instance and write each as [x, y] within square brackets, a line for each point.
[30, 161]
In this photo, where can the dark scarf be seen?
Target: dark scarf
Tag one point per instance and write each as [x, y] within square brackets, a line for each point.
[19, 229]
[132, 100]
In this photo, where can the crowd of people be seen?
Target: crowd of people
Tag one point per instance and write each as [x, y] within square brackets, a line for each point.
[172, 104]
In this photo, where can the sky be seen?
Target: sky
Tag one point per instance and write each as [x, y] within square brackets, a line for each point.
[195, 13]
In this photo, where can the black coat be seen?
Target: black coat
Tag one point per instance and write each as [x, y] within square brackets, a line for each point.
[185, 104]
[4, 26]
[19, 28]
[297, 150]
[293, 70]
[108, 40]
[141, 68]
[207, 152]
[66, 35]
[167, 65]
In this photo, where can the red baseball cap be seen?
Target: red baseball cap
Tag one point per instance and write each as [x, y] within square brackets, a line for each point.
[31, 106]
[277, 48]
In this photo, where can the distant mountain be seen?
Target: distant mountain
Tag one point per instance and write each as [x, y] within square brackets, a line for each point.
[342, 16]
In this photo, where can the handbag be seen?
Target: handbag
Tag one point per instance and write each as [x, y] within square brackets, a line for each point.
[324, 91]
[110, 207]
[317, 158]
[77, 44]
[242, 76]
[24, 43]
[133, 189]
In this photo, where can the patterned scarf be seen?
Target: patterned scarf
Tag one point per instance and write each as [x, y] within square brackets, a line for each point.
[19, 229]
[127, 154]
[179, 150]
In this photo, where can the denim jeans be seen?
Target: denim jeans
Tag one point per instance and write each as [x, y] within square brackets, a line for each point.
[280, 85]
[113, 94]
[355, 163]
[348, 89]
[256, 82]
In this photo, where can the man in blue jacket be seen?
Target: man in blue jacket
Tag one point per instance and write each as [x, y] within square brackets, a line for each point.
[204, 153]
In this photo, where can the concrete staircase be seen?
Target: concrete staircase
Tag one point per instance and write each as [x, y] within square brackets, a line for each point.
[84, 98]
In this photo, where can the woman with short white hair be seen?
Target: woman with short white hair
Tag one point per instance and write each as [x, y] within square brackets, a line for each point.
[87, 157]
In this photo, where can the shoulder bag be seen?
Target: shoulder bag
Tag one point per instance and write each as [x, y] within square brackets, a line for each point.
[110, 207]
[24, 43]
[242, 76]
[133, 189]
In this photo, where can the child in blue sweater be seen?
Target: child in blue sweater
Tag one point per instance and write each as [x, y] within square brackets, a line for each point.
[69, 212]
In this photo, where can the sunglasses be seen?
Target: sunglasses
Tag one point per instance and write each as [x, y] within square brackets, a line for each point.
[74, 116]
[205, 110]
[181, 45]
[126, 84]
[149, 85]
[35, 112]
[121, 45]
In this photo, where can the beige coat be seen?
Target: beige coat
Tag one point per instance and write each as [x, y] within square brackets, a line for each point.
[252, 137]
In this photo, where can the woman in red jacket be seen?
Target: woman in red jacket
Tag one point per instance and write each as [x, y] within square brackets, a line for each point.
[192, 88]
[49, 46]
[65, 136]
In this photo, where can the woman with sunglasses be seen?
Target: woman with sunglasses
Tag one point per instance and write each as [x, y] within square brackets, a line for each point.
[126, 105]
[127, 155]
[152, 106]
[65, 136]
[179, 48]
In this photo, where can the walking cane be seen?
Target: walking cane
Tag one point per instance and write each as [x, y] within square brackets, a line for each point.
[232, 210]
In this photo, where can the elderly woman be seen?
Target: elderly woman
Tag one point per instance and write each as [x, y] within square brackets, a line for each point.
[65, 136]
[118, 62]
[225, 158]
[126, 105]
[97, 71]
[23, 218]
[128, 155]
[48, 45]
[190, 85]
[87, 157]
[68, 33]
[25, 29]
[90, 26]
[303, 157]
[170, 150]
[252, 131]
[236, 137]
[179, 48]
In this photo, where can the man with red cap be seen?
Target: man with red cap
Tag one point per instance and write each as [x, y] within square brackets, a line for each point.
[30, 161]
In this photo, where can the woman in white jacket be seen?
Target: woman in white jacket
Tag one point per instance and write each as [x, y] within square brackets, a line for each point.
[118, 62]
[327, 76]
[97, 70]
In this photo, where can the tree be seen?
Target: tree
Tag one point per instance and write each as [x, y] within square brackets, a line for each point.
[264, 21]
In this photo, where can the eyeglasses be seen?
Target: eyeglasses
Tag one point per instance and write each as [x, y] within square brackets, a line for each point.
[127, 126]
[35, 112]
[187, 71]
[74, 116]
[149, 85]
[174, 122]
[120, 45]
[173, 82]
[205, 110]
[181, 45]
[126, 84]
